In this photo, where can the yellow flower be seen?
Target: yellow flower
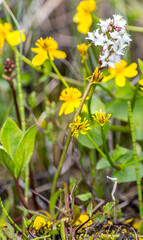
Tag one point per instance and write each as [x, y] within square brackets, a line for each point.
[96, 76]
[101, 118]
[82, 219]
[83, 17]
[120, 72]
[72, 98]
[79, 127]
[12, 37]
[39, 222]
[46, 48]
[82, 49]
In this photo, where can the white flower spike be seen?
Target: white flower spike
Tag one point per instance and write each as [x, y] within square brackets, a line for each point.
[113, 39]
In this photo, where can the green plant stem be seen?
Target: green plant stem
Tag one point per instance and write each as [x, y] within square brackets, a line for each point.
[116, 128]
[43, 237]
[88, 73]
[134, 28]
[11, 221]
[95, 18]
[95, 145]
[58, 73]
[114, 165]
[22, 114]
[57, 174]
[90, 99]
[136, 161]
[15, 102]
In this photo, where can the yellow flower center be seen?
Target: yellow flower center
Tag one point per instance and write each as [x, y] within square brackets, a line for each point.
[47, 44]
[70, 94]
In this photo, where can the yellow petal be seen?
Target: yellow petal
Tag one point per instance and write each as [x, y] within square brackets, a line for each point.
[84, 23]
[122, 63]
[60, 54]
[37, 50]
[105, 79]
[1, 44]
[120, 80]
[62, 109]
[39, 59]
[141, 82]
[14, 38]
[131, 71]
[69, 108]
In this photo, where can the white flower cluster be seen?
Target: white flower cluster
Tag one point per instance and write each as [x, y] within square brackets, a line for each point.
[113, 39]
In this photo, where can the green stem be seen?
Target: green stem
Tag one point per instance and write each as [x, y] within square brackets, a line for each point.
[43, 237]
[58, 73]
[88, 73]
[136, 161]
[119, 128]
[134, 28]
[22, 114]
[89, 101]
[95, 145]
[114, 165]
[11, 221]
[53, 189]
[95, 18]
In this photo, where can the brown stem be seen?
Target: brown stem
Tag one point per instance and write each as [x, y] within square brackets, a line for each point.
[21, 195]
[15, 102]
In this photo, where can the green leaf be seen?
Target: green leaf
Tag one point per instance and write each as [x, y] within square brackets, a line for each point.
[140, 62]
[6, 160]
[24, 150]
[10, 136]
[125, 92]
[118, 109]
[97, 104]
[95, 133]
[102, 163]
[53, 200]
[89, 209]
[108, 207]
[84, 197]
[128, 174]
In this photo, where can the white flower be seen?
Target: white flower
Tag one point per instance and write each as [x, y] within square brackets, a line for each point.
[104, 25]
[119, 21]
[113, 39]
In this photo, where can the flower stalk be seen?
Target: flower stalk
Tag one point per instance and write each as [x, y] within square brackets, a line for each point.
[140, 197]
[58, 73]
[57, 174]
